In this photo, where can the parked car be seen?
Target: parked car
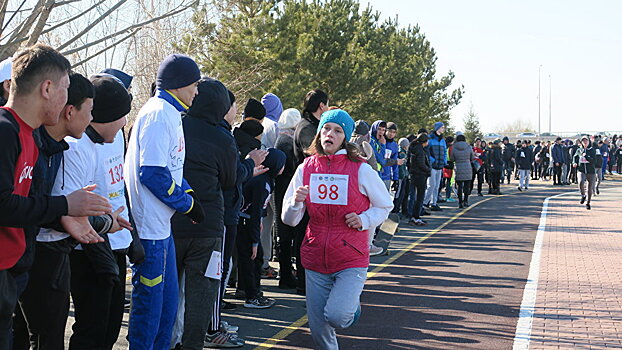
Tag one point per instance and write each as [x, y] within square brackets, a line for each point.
[526, 134]
[547, 134]
[492, 135]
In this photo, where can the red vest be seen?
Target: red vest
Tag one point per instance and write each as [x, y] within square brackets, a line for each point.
[330, 245]
[12, 239]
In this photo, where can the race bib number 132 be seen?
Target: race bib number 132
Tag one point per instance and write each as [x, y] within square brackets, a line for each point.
[329, 189]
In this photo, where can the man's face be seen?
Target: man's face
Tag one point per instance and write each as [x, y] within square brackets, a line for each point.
[56, 93]
[391, 133]
[441, 130]
[187, 93]
[380, 132]
[80, 118]
[115, 126]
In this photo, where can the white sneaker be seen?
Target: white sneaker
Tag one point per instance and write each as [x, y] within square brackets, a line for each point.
[227, 327]
[373, 250]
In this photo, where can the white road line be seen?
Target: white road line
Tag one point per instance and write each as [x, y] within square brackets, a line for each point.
[525, 320]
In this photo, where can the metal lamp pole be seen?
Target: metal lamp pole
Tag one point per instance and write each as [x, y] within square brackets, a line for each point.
[550, 98]
[539, 130]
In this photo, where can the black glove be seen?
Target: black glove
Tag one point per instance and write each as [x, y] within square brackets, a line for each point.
[395, 186]
[196, 214]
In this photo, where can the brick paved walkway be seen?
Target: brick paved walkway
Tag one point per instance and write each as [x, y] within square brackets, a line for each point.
[579, 297]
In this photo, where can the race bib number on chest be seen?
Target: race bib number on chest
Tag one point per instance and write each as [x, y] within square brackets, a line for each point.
[388, 153]
[329, 189]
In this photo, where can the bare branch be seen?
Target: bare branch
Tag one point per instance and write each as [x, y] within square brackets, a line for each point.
[11, 47]
[13, 15]
[91, 25]
[133, 26]
[66, 2]
[3, 6]
[106, 48]
[72, 18]
[43, 17]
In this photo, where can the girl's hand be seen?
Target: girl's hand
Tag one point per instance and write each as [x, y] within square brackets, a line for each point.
[301, 193]
[354, 221]
[254, 252]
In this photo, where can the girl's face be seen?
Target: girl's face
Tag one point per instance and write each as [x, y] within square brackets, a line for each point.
[332, 137]
[585, 142]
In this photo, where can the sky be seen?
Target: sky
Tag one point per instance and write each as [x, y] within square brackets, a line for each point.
[495, 49]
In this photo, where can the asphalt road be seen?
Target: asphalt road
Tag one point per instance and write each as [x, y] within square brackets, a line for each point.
[459, 287]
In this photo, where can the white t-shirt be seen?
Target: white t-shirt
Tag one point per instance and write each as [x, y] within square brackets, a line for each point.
[157, 140]
[87, 163]
[110, 184]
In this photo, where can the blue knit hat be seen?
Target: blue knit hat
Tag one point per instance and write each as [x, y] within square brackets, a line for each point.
[177, 71]
[125, 78]
[339, 117]
[438, 125]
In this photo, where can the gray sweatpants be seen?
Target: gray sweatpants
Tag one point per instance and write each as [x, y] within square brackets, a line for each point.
[434, 181]
[332, 300]
[591, 181]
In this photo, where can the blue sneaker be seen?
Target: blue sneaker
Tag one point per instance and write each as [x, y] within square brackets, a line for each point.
[357, 315]
[451, 200]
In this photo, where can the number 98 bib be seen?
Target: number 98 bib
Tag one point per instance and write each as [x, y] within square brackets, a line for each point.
[328, 189]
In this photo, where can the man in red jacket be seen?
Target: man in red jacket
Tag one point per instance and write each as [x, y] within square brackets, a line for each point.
[39, 83]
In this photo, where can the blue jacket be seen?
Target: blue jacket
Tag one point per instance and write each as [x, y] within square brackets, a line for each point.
[379, 148]
[558, 153]
[438, 151]
[391, 172]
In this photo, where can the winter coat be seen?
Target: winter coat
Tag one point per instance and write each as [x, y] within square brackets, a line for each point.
[438, 151]
[211, 161]
[419, 161]
[508, 152]
[304, 135]
[496, 159]
[244, 172]
[524, 158]
[330, 245]
[380, 150]
[558, 153]
[245, 142]
[586, 160]
[391, 172]
[462, 155]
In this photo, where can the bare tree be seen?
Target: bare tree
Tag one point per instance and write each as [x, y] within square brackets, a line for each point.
[82, 28]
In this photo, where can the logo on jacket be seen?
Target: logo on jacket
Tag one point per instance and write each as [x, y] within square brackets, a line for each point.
[26, 173]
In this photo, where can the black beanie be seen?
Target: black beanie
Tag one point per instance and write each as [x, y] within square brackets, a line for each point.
[252, 127]
[177, 71]
[391, 126]
[254, 109]
[112, 101]
[361, 127]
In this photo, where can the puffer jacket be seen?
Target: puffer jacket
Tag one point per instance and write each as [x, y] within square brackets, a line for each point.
[438, 151]
[418, 161]
[462, 155]
[330, 245]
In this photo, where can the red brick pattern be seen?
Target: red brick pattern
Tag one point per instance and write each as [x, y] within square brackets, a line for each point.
[579, 298]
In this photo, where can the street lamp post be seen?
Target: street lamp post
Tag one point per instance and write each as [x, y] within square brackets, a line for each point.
[539, 130]
[550, 98]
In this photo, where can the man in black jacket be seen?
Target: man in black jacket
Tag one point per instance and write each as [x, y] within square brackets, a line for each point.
[524, 159]
[210, 167]
[508, 158]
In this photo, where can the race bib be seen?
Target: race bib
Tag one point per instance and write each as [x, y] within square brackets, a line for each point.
[387, 153]
[605, 154]
[522, 154]
[214, 267]
[583, 160]
[597, 152]
[329, 189]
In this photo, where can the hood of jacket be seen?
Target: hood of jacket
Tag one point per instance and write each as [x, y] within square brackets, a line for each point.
[273, 106]
[461, 146]
[374, 128]
[212, 101]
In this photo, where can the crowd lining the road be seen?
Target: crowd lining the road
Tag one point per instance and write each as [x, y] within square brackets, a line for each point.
[195, 204]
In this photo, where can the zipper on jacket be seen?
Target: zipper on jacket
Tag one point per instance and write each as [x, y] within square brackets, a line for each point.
[346, 244]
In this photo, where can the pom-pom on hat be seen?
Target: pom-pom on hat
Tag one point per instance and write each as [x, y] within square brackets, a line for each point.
[339, 117]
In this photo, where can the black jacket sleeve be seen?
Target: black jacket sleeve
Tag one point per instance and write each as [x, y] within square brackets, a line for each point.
[258, 199]
[15, 210]
[228, 170]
